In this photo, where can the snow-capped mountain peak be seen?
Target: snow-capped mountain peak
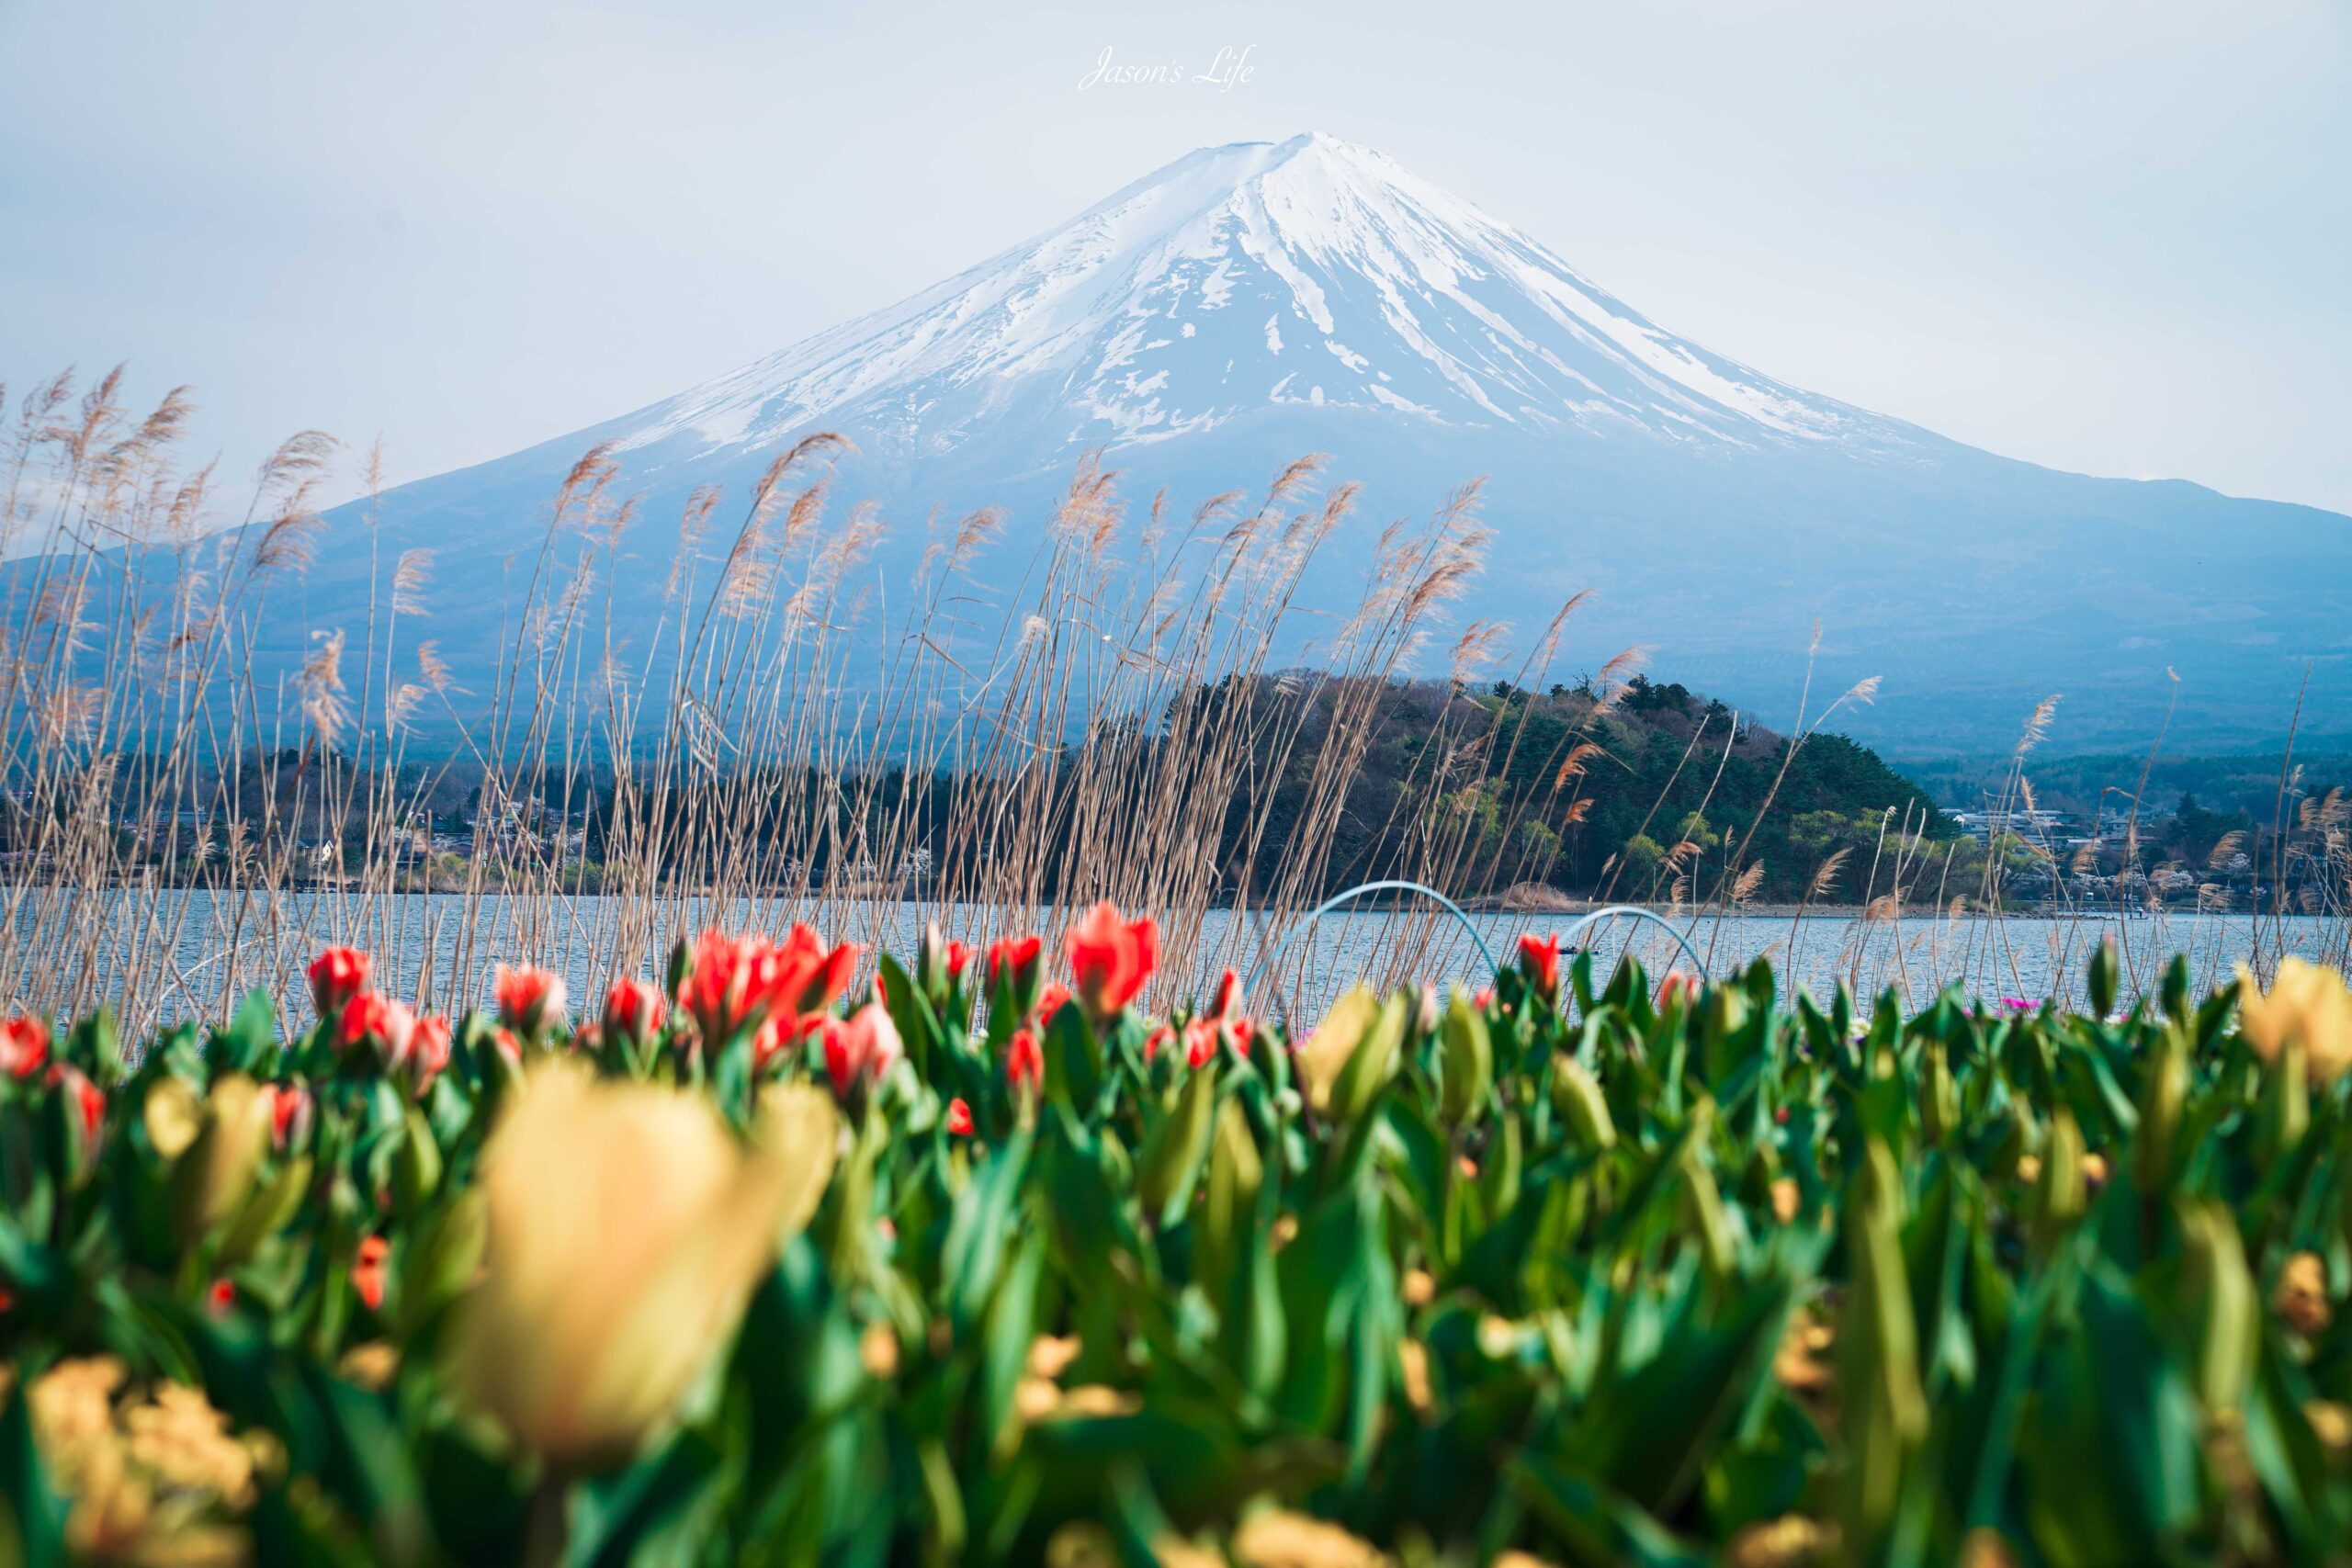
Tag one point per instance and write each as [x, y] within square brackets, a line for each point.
[1308, 272]
[1248, 304]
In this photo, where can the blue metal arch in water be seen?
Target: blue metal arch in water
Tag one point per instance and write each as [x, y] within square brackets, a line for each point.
[1349, 896]
[1568, 938]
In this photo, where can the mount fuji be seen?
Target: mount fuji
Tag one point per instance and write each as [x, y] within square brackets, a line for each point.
[1250, 303]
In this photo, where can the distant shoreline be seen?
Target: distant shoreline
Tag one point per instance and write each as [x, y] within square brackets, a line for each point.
[1485, 907]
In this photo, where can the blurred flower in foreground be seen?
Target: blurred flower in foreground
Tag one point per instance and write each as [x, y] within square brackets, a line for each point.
[626, 1228]
[153, 1480]
[1024, 1062]
[1278, 1539]
[368, 1270]
[211, 1183]
[1351, 1054]
[2307, 1005]
[89, 1101]
[292, 1113]
[1782, 1542]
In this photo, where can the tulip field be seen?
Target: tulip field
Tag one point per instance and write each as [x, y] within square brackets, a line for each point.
[795, 1254]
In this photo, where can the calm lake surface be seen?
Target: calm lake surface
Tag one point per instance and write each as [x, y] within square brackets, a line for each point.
[184, 952]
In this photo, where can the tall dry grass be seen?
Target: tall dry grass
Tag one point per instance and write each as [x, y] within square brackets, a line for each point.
[150, 748]
[186, 821]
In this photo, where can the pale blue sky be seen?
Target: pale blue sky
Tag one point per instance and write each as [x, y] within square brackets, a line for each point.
[2113, 236]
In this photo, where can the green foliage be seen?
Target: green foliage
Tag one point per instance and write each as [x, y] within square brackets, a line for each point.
[1648, 1278]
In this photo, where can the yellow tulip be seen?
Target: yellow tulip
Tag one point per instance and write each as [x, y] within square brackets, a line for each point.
[173, 1116]
[1352, 1052]
[212, 1178]
[1278, 1539]
[627, 1228]
[1326, 1050]
[2307, 1005]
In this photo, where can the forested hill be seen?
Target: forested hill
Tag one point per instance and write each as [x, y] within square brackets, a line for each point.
[1638, 796]
[1633, 790]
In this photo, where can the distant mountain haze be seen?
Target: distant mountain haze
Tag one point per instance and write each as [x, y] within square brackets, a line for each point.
[1251, 303]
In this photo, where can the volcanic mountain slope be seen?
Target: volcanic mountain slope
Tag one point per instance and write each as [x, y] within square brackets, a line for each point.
[1250, 303]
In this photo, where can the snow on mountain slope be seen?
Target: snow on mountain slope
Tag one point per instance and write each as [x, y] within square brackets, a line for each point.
[1308, 272]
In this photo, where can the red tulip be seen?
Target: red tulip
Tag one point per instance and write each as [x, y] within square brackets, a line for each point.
[23, 1045]
[633, 1012]
[1012, 964]
[1025, 1064]
[1111, 958]
[731, 984]
[87, 1099]
[859, 1050]
[290, 1114]
[507, 1045]
[1201, 1042]
[1229, 995]
[810, 977]
[1539, 960]
[939, 963]
[380, 1025]
[428, 1052]
[221, 1297]
[530, 999]
[738, 982]
[1678, 984]
[337, 974]
[1163, 1034]
[959, 1118]
[1051, 1000]
[777, 1036]
[368, 1270]
[1014, 957]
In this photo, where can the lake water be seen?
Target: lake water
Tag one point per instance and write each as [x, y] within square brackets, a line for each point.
[183, 952]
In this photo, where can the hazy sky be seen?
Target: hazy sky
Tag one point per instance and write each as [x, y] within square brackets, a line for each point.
[2107, 235]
